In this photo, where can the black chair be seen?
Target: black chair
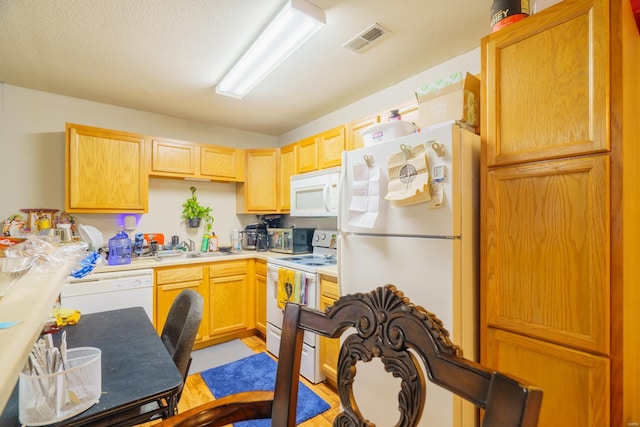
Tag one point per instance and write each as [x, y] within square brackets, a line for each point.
[178, 335]
[181, 328]
[387, 325]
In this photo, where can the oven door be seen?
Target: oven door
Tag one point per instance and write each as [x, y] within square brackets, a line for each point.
[309, 360]
[275, 314]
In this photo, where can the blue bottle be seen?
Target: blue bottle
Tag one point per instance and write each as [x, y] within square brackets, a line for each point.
[120, 249]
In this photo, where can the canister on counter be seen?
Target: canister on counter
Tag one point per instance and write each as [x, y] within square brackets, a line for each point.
[236, 243]
[505, 12]
[213, 242]
[120, 249]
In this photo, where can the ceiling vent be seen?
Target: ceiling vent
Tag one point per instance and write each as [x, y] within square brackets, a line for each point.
[366, 38]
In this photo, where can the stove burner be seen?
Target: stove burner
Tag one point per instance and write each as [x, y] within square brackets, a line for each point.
[310, 260]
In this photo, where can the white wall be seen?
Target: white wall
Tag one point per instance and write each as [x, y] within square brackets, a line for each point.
[379, 101]
[32, 125]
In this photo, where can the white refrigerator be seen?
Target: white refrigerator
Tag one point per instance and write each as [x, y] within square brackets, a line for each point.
[428, 250]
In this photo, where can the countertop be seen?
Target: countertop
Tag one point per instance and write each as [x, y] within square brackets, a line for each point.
[150, 262]
[29, 302]
[329, 271]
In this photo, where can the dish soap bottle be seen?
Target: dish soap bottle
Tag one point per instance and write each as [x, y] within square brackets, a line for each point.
[204, 247]
[120, 249]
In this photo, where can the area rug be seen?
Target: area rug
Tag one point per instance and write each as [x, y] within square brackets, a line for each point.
[258, 372]
[218, 355]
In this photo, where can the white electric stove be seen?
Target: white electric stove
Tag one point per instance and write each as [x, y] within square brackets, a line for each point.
[324, 254]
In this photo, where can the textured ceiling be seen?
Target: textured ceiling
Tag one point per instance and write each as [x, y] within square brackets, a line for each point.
[165, 56]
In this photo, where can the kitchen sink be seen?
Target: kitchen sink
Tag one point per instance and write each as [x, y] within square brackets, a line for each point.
[170, 253]
[206, 254]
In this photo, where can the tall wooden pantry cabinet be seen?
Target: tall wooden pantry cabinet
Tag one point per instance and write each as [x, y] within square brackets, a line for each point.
[560, 273]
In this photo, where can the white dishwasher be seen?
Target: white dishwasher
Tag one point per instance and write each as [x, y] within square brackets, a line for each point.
[110, 291]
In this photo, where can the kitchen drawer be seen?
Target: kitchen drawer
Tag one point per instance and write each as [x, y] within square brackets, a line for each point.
[177, 275]
[227, 268]
[329, 287]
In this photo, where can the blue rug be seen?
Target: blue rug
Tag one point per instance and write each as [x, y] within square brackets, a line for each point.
[258, 372]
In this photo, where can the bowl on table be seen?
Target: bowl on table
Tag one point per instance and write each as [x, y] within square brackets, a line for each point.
[11, 270]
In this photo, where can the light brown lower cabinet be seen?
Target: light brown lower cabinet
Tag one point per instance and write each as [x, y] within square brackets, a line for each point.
[575, 383]
[261, 297]
[329, 347]
[170, 281]
[229, 300]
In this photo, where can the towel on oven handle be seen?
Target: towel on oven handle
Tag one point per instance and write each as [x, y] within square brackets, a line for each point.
[292, 287]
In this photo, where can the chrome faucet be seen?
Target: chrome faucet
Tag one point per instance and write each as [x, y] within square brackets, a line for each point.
[189, 245]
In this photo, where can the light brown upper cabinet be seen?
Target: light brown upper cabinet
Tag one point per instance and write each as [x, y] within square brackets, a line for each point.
[550, 79]
[105, 171]
[321, 151]
[221, 163]
[173, 158]
[408, 112]
[183, 159]
[331, 144]
[307, 155]
[259, 192]
[354, 130]
[288, 156]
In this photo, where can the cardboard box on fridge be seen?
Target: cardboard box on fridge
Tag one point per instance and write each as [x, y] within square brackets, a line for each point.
[456, 97]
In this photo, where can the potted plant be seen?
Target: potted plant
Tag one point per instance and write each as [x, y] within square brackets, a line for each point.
[193, 211]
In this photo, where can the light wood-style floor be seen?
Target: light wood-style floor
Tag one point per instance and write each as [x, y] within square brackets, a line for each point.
[196, 392]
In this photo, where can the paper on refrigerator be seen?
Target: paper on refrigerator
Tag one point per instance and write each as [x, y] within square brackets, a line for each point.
[408, 176]
[365, 197]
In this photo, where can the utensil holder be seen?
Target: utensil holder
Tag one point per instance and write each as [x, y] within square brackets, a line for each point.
[49, 398]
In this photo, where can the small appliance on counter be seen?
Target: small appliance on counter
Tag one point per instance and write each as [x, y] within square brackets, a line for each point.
[250, 237]
[291, 240]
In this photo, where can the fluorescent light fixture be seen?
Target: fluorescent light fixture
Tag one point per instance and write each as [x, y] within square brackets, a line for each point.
[296, 22]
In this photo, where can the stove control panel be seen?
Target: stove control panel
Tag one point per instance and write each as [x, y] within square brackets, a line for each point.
[324, 238]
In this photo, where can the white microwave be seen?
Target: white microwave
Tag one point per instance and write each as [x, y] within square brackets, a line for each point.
[315, 193]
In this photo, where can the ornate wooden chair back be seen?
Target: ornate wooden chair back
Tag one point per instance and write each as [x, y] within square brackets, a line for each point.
[387, 325]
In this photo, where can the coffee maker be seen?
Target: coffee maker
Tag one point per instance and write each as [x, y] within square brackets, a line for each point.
[254, 237]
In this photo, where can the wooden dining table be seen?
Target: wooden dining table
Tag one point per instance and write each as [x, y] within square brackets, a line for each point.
[136, 367]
